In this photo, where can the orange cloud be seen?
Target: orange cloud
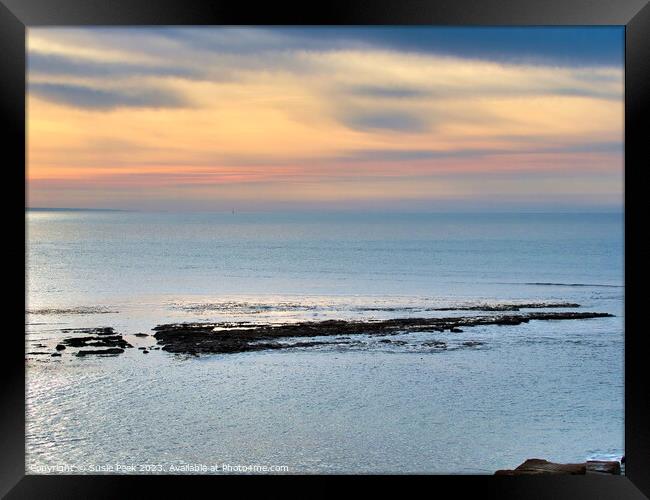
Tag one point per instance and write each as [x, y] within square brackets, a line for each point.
[326, 125]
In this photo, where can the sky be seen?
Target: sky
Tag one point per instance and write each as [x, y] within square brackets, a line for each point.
[278, 118]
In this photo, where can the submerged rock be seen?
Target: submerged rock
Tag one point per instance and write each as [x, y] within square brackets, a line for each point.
[114, 350]
[435, 343]
[508, 306]
[102, 330]
[72, 310]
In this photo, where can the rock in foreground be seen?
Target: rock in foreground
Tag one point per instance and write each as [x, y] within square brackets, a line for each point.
[537, 466]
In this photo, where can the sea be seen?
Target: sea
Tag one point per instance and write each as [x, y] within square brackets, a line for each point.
[543, 389]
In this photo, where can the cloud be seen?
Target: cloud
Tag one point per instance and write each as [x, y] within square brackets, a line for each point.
[396, 121]
[556, 46]
[80, 96]
[387, 92]
[40, 64]
[328, 62]
[288, 106]
[398, 155]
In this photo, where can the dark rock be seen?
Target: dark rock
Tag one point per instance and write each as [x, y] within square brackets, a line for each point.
[277, 345]
[97, 341]
[78, 341]
[214, 338]
[55, 354]
[145, 352]
[91, 331]
[60, 347]
[114, 350]
[141, 335]
[455, 330]
[435, 343]
[104, 331]
[536, 466]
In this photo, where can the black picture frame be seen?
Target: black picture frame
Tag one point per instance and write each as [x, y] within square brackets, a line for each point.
[17, 15]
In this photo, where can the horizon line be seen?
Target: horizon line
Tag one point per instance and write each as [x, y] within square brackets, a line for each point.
[521, 210]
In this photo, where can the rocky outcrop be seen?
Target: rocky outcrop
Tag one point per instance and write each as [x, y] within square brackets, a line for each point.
[94, 337]
[107, 341]
[211, 338]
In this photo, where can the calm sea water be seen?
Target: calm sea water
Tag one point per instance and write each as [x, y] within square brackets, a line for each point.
[545, 389]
